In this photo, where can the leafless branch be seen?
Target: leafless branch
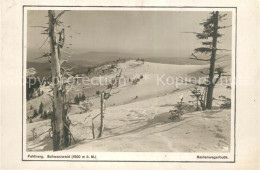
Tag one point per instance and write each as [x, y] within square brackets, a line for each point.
[222, 49]
[51, 98]
[191, 32]
[224, 27]
[87, 117]
[202, 85]
[44, 55]
[60, 14]
[44, 42]
[63, 61]
[70, 132]
[40, 26]
[204, 73]
[95, 116]
[196, 58]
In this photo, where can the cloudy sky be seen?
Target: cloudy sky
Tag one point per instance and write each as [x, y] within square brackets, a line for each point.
[150, 32]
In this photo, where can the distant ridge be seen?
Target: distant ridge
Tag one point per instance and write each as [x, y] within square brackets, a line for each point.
[80, 61]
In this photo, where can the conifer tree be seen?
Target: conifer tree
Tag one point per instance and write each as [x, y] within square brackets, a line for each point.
[209, 37]
[83, 97]
[35, 113]
[41, 109]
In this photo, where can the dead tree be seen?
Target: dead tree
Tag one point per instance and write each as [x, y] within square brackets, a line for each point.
[60, 122]
[105, 95]
[60, 126]
[211, 30]
[102, 108]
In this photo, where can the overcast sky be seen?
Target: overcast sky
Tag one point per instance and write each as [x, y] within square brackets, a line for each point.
[151, 32]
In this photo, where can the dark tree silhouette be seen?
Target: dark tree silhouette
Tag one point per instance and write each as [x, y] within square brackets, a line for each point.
[41, 109]
[35, 113]
[210, 35]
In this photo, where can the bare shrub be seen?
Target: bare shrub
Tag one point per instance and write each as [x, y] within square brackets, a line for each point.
[226, 102]
[85, 106]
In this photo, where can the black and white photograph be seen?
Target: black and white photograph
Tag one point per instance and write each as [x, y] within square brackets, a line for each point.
[129, 80]
[130, 84]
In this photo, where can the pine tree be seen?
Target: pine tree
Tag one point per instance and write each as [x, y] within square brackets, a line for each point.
[45, 115]
[76, 99]
[41, 109]
[209, 37]
[79, 98]
[35, 113]
[83, 97]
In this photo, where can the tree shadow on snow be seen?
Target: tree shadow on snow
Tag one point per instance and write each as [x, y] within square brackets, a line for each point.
[158, 120]
[44, 144]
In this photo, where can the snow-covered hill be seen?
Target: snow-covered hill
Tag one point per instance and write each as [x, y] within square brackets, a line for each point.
[137, 118]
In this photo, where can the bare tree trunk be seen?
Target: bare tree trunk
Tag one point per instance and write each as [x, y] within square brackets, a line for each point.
[60, 133]
[93, 130]
[198, 108]
[212, 63]
[205, 96]
[102, 103]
